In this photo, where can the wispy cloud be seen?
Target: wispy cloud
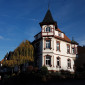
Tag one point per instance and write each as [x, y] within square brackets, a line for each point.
[31, 19]
[34, 19]
[1, 37]
[82, 42]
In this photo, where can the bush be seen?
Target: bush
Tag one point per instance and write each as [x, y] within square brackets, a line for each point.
[44, 70]
[54, 76]
[65, 73]
[29, 68]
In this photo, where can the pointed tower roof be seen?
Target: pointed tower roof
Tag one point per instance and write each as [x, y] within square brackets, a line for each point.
[48, 19]
[73, 41]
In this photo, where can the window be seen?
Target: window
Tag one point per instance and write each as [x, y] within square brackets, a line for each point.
[59, 34]
[48, 60]
[68, 48]
[69, 63]
[73, 50]
[58, 46]
[48, 29]
[48, 43]
[58, 62]
[76, 50]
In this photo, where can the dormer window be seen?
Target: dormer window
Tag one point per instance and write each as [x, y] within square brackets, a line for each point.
[48, 29]
[59, 34]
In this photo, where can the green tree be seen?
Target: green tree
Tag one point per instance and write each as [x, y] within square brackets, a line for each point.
[22, 54]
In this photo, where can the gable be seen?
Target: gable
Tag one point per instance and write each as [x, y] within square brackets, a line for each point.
[65, 38]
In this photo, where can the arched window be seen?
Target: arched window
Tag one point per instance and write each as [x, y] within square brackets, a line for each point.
[58, 61]
[69, 63]
[48, 29]
[48, 60]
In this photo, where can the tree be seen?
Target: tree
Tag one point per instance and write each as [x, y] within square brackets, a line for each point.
[22, 54]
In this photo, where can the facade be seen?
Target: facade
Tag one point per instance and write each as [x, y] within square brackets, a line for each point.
[53, 48]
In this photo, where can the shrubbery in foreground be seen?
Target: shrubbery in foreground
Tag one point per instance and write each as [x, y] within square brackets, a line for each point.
[33, 74]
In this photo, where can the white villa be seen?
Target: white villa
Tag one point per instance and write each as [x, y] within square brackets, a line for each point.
[53, 48]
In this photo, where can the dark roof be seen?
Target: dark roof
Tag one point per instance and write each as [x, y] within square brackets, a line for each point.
[74, 42]
[48, 19]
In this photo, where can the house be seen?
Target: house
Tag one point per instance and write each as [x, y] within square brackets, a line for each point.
[2, 68]
[53, 48]
[1, 62]
[80, 60]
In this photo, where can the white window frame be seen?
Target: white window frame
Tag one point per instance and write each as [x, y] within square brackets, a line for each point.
[48, 29]
[69, 63]
[48, 44]
[48, 60]
[58, 46]
[58, 61]
[73, 50]
[59, 34]
[68, 49]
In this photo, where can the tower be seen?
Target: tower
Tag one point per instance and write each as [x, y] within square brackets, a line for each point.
[48, 24]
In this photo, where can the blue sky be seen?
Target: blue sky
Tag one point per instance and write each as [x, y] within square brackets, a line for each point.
[19, 20]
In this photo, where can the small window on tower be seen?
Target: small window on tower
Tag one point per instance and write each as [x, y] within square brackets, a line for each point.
[48, 29]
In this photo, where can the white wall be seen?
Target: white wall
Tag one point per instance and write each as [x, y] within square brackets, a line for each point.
[62, 54]
[63, 62]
